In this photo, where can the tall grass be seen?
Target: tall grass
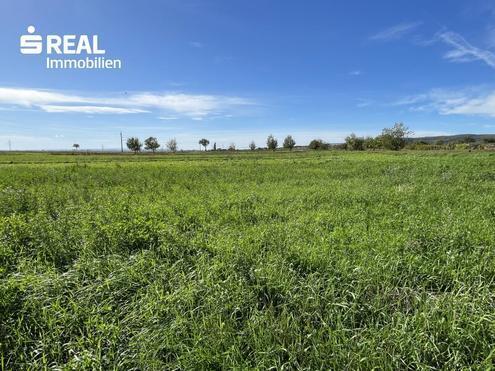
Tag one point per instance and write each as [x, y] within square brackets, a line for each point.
[295, 260]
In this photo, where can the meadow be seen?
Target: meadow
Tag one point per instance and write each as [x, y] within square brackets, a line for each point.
[304, 260]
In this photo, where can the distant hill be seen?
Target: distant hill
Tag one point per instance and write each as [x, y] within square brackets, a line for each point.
[475, 138]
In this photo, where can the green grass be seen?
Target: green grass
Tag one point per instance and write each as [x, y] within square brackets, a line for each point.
[326, 260]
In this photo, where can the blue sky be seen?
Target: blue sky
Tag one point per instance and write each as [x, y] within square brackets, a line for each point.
[233, 71]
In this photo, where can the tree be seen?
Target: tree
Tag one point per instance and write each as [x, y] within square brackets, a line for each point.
[252, 145]
[215, 146]
[371, 143]
[151, 144]
[354, 143]
[134, 144]
[172, 145]
[232, 147]
[75, 146]
[289, 142]
[395, 138]
[317, 144]
[271, 143]
[204, 142]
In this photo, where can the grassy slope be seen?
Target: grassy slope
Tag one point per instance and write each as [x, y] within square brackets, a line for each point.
[308, 260]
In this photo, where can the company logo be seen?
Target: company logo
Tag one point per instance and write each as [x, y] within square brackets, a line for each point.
[73, 45]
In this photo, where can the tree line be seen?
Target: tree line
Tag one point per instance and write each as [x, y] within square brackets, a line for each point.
[150, 144]
[394, 138]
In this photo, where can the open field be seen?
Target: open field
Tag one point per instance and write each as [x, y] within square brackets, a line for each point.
[299, 260]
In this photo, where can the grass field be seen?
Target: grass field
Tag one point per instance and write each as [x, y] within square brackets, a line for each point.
[304, 260]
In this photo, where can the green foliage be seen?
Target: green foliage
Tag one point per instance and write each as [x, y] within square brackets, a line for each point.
[289, 142]
[354, 143]
[151, 144]
[204, 142]
[317, 144]
[394, 138]
[252, 145]
[271, 143]
[253, 260]
[372, 143]
[134, 144]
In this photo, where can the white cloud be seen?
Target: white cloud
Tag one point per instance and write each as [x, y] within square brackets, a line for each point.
[396, 32]
[90, 109]
[34, 97]
[463, 51]
[355, 73]
[196, 106]
[167, 118]
[468, 102]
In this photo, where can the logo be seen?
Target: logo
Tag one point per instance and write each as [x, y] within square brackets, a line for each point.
[86, 48]
[31, 44]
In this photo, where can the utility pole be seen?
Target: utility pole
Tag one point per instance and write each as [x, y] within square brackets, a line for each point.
[121, 143]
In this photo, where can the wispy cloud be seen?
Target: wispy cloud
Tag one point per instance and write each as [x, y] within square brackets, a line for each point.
[90, 109]
[469, 102]
[196, 106]
[362, 103]
[396, 32]
[196, 44]
[463, 51]
[429, 133]
[355, 73]
[167, 117]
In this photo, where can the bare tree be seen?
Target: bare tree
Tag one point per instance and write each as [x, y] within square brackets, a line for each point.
[172, 145]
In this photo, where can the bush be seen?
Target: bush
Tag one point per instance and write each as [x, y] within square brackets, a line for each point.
[317, 144]
[354, 143]
[394, 138]
[372, 143]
